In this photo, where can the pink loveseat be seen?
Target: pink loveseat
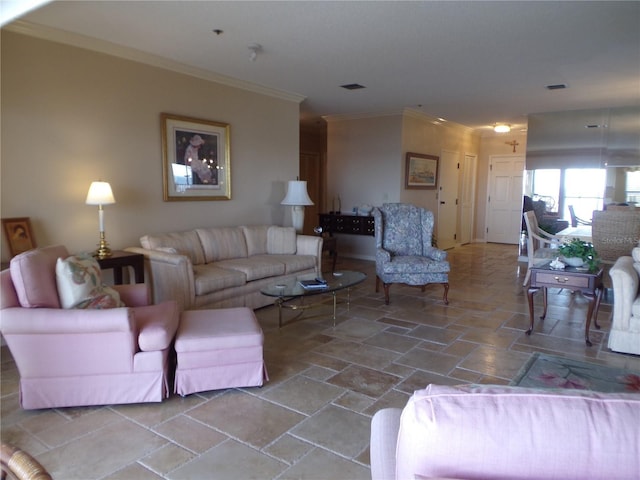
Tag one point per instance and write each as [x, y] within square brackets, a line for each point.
[75, 357]
[494, 432]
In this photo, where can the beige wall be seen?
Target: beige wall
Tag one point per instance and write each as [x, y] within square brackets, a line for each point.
[366, 163]
[71, 116]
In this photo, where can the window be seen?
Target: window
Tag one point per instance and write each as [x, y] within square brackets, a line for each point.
[632, 190]
[558, 188]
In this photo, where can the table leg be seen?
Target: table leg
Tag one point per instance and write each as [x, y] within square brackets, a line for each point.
[592, 312]
[530, 293]
[117, 275]
[279, 302]
[334, 308]
[544, 303]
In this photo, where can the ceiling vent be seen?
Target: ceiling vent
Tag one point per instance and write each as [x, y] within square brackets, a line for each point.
[352, 86]
[557, 86]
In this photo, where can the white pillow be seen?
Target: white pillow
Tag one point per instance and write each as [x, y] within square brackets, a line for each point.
[80, 285]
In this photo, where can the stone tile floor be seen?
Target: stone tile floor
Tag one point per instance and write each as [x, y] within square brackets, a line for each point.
[311, 420]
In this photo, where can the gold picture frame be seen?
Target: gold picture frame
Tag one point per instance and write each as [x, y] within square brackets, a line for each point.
[196, 159]
[421, 171]
[19, 235]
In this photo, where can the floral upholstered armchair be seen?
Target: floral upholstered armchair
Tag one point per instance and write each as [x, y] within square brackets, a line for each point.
[404, 252]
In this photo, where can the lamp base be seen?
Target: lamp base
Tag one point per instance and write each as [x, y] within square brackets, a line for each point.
[103, 250]
[297, 217]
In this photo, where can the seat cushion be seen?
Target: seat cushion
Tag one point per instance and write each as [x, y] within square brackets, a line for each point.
[221, 329]
[255, 268]
[211, 278]
[34, 276]
[413, 264]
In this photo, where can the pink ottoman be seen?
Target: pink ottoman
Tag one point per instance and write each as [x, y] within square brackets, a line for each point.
[218, 349]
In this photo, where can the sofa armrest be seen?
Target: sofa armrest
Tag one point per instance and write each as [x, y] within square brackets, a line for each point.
[133, 295]
[625, 281]
[310, 245]
[171, 276]
[385, 425]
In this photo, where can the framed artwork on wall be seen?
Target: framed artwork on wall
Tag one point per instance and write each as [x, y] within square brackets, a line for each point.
[421, 171]
[19, 235]
[196, 163]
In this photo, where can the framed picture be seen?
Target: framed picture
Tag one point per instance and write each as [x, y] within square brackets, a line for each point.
[421, 171]
[196, 162]
[19, 235]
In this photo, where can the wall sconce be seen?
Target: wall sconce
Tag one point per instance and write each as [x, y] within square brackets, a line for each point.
[297, 197]
[100, 194]
[502, 128]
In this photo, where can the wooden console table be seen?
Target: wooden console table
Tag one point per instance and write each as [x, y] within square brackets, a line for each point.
[120, 259]
[351, 224]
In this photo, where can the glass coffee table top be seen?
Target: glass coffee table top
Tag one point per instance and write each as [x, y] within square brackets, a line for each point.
[291, 289]
[336, 281]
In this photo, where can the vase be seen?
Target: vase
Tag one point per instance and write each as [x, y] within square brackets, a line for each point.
[573, 261]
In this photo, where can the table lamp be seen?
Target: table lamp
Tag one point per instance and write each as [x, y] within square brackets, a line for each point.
[297, 197]
[100, 194]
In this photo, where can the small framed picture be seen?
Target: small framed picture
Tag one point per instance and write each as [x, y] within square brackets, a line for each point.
[421, 171]
[19, 235]
[196, 159]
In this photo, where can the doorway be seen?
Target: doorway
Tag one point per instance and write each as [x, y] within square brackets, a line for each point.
[448, 199]
[504, 203]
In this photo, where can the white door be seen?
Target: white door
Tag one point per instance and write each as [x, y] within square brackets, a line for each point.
[467, 198]
[448, 199]
[504, 204]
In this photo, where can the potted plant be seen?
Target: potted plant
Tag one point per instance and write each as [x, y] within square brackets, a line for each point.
[577, 252]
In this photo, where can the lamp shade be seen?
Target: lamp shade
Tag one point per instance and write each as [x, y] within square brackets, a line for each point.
[297, 194]
[100, 194]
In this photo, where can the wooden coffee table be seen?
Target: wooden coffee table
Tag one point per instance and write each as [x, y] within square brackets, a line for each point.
[291, 289]
[571, 278]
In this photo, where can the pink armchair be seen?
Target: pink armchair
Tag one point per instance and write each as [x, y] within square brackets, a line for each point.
[76, 357]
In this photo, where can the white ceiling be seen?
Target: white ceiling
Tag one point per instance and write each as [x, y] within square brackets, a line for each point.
[473, 63]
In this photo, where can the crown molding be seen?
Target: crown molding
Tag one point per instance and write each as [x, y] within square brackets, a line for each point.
[88, 43]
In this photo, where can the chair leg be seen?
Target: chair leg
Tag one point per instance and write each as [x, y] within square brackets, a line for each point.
[386, 293]
[377, 284]
[526, 278]
[446, 293]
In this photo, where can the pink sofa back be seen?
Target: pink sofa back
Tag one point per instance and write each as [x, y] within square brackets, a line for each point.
[477, 432]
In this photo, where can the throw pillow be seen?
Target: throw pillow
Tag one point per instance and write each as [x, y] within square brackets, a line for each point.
[80, 285]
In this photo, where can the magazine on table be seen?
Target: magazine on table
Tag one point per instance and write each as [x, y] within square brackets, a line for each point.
[316, 283]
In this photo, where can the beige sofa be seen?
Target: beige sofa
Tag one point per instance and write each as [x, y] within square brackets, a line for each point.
[223, 267]
[625, 327]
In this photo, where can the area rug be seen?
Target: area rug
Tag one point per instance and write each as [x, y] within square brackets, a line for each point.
[550, 371]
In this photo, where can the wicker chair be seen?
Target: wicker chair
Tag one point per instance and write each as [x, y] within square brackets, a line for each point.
[19, 465]
[615, 233]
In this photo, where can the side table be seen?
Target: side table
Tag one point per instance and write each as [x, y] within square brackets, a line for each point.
[120, 259]
[588, 283]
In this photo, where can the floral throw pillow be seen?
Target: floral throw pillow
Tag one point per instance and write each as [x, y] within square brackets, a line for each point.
[79, 282]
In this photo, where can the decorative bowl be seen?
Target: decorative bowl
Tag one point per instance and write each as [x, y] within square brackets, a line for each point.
[573, 261]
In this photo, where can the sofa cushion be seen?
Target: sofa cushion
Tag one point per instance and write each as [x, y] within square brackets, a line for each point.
[256, 267]
[292, 263]
[281, 240]
[513, 432]
[185, 243]
[222, 243]
[256, 238]
[34, 276]
[79, 282]
[211, 278]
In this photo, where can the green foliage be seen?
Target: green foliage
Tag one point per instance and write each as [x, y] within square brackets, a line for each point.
[580, 249]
